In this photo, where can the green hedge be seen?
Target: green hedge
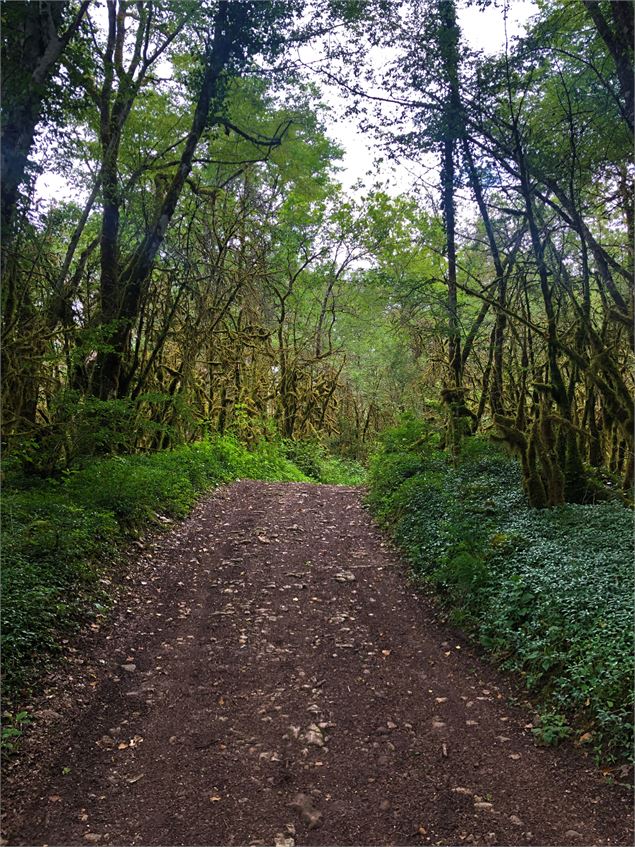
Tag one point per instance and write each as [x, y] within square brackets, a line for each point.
[548, 592]
[59, 537]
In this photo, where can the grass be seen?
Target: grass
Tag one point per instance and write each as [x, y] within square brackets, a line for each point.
[548, 592]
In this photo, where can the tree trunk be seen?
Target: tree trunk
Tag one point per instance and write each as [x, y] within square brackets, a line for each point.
[32, 49]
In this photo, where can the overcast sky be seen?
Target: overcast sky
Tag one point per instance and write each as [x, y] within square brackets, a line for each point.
[481, 29]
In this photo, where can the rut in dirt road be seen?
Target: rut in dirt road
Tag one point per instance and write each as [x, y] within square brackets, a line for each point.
[278, 681]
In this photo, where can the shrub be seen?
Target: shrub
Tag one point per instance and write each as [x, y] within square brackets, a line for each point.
[313, 460]
[306, 455]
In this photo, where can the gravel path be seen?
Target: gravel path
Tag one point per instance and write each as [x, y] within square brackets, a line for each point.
[271, 678]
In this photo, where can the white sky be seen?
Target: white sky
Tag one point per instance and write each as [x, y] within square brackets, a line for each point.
[482, 29]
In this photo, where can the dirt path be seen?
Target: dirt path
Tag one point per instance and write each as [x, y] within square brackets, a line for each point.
[275, 679]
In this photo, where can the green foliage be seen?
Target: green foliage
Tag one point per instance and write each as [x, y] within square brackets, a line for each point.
[401, 454]
[314, 461]
[342, 471]
[307, 455]
[551, 730]
[265, 461]
[548, 591]
[59, 537]
[12, 726]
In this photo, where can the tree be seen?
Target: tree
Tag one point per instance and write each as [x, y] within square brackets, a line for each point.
[35, 36]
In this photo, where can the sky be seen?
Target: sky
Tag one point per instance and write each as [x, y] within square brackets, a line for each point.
[482, 29]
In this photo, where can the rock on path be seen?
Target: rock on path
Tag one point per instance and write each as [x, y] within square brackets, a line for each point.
[273, 679]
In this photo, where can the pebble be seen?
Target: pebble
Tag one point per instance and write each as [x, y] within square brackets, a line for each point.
[314, 736]
[311, 816]
[92, 837]
[47, 714]
[515, 820]
[129, 667]
[384, 805]
[573, 833]
[344, 576]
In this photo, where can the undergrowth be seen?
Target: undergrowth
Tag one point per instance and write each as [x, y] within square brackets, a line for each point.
[319, 465]
[548, 592]
[60, 536]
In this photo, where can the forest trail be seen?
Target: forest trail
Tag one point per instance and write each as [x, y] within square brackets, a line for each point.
[271, 679]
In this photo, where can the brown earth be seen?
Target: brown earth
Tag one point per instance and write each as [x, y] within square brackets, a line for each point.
[271, 677]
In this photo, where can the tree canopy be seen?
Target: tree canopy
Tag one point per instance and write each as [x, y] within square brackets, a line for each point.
[212, 274]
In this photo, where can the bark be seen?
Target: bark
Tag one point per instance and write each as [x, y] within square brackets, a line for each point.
[110, 379]
[619, 40]
[33, 47]
[498, 338]
[449, 37]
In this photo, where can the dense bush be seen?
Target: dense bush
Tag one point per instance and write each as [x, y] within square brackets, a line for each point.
[548, 591]
[320, 466]
[59, 535]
